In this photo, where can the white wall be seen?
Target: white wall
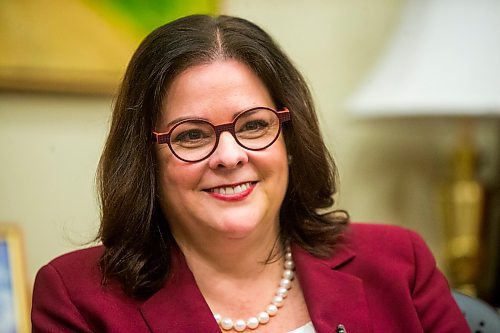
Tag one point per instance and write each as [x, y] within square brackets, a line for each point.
[50, 144]
[49, 148]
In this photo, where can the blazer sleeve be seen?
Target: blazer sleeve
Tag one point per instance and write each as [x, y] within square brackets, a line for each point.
[437, 310]
[52, 308]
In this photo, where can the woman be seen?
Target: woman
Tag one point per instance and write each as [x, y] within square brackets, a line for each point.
[211, 183]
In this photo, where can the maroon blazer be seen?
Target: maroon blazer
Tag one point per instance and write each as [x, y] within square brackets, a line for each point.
[382, 279]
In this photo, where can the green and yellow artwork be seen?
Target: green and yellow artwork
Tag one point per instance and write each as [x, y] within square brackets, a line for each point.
[79, 46]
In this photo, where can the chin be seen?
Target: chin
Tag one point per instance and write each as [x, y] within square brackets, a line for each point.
[236, 229]
[242, 225]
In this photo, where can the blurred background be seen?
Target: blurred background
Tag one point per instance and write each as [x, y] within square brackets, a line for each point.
[61, 61]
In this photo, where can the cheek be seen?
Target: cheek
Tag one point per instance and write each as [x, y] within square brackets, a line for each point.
[283, 165]
[281, 154]
[175, 176]
[276, 163]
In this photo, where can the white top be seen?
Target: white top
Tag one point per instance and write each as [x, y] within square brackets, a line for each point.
[307, 328]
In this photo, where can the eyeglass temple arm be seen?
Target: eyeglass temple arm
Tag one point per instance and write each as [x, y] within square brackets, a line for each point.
[284, 114]
[160, 137]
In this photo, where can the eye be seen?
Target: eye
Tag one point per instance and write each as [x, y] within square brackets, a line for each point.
[190, 135]
[254, 125]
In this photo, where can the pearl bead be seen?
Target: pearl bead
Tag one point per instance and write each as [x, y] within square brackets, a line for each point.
[278, 301]
[226, 323]
[217, 317]
[252, 323]
[283, 292]
[285, 283]
[272, 309]
[289, 264]
[263, 317]
[288, 256]
[240, 325]
[288, 274]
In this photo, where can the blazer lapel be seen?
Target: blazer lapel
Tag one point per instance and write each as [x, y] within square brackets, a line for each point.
[179, 307]
[333, 297]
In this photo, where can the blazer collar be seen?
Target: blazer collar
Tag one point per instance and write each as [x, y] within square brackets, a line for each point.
[333, 297]
[179, 306]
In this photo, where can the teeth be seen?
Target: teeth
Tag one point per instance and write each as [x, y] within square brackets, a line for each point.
[231, 190]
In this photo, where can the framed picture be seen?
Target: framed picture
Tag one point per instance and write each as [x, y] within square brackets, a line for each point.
[79, 46]
[14, 299]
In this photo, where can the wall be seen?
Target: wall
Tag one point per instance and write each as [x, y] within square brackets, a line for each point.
[389, 170]
[49, 148]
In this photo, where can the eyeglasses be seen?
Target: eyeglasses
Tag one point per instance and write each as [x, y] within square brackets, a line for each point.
[193, 140]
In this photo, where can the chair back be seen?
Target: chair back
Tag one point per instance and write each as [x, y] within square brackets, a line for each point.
[481, 317]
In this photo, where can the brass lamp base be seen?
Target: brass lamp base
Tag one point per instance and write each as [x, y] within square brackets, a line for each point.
[463, 202]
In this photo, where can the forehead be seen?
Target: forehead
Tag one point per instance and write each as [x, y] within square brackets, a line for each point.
[216, 90]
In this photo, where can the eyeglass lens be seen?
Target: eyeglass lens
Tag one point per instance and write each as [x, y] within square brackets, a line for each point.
[196, 139]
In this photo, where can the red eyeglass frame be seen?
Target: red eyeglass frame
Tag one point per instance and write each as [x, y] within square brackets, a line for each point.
[164, 137]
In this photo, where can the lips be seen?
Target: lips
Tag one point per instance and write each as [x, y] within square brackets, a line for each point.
[229, 190]
[232, 192]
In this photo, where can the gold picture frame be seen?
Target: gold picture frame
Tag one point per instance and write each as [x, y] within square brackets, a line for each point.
[14, 298]
[79, 46]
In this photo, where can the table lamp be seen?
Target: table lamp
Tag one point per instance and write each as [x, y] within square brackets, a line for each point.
[444, 61]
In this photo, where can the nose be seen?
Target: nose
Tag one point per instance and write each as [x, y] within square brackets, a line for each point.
[228, 154]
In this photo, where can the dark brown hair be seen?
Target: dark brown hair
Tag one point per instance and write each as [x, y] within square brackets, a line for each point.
[135, 233]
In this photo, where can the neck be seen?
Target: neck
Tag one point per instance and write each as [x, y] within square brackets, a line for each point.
[231, 272]
[232, 257]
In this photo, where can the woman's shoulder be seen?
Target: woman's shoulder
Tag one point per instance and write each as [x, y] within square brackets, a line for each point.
[76, 266]
[395, 262]
[382, 244]
[69, 296]
[83, 253]
[78, 257]
[367, 235]
[378, 230]
[75, 276]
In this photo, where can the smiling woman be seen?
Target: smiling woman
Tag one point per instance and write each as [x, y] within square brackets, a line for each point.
[213, 184]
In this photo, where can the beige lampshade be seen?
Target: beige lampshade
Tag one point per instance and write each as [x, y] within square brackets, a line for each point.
[444, 59]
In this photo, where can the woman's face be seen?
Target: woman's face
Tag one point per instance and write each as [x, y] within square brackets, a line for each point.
[190, 192]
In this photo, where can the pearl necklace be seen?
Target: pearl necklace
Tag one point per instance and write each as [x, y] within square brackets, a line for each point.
[263, 317]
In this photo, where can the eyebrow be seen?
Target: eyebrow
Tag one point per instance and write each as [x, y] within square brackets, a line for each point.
[180, 119]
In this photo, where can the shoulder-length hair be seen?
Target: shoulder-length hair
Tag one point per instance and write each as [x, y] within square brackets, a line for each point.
[135, 233]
